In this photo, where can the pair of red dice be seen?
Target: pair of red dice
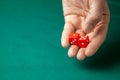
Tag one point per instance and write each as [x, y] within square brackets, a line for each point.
[77, 39]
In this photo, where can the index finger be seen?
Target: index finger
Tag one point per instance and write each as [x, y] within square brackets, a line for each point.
[68, 28]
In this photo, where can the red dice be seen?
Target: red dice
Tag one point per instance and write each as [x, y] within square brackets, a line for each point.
[73, 38]
[80, 41]
[83, 41]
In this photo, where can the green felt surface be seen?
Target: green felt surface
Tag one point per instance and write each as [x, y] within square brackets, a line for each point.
[30, 49]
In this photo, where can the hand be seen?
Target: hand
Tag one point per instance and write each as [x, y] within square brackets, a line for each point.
[87, 17]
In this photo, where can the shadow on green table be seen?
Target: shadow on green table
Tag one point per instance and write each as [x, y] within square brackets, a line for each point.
[105, 58]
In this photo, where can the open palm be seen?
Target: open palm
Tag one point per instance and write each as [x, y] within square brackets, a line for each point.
[87, 17]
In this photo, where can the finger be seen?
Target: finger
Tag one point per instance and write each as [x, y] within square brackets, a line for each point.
[96, 40]
[68, 28]
[81, 54]
[73, 50]
[94, 15]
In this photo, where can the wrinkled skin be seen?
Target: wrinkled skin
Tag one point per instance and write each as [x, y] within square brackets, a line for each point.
[87, 17]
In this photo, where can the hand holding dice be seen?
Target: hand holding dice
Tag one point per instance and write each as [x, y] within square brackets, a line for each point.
[77, 39]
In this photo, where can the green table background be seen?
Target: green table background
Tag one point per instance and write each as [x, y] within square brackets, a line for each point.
[30, 49]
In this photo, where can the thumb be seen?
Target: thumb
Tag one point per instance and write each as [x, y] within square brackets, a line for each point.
[94, 15]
